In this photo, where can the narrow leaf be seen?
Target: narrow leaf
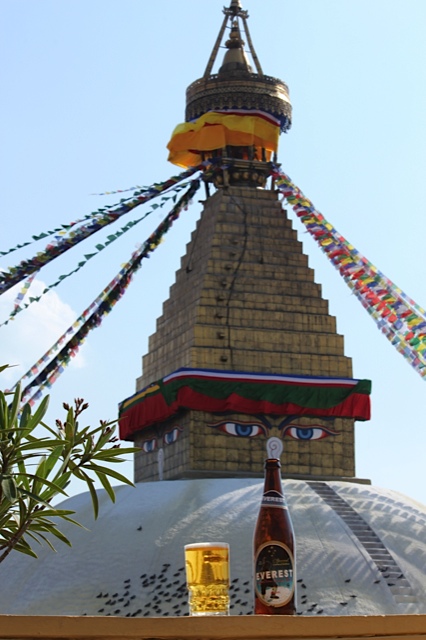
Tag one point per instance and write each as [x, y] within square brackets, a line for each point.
[14, 407]
[94, 497]
[39, 413]
[111, 472]
[9, 489]
[106, 485]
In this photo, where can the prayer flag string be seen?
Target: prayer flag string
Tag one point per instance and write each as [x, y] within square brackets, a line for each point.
[62, 243]
[57, 232]
[398, 317]
[87, 256]
[68, 344]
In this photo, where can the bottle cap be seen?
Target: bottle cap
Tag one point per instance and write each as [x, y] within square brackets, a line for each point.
[272, 463]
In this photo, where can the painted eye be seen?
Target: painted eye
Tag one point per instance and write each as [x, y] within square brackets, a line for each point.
[315, 432]
[149, 445]
[240, 429]
[172, 435]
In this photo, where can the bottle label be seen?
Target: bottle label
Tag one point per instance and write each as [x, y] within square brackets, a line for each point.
[273, 499]
[274, 574]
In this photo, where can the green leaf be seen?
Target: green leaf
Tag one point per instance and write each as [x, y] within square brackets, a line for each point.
[42, 523]
[25, 548]
[33, 496]
[14, 407]
[52, 513]
[58, 534]
[23, 511]
[9, 489]
[106, 485]
[4, 418]
[72, 521]
[37, 535]
[53, 459]
[60, 480]
[50, 430]
[94, 496]
[50, 528]
[113, 453]
[39, 413]
[110, 472]
[70, 426]
[41, 443]
[22, 477]
[43, 480]
[25, 417]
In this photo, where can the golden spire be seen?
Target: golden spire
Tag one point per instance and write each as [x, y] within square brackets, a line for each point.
[249, 111]
[236, 85]
[233, 15]
[235, 58]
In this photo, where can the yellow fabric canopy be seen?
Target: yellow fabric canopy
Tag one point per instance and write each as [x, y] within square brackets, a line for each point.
[217, 130]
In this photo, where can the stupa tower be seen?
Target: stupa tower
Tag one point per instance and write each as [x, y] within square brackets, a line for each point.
[245, 317]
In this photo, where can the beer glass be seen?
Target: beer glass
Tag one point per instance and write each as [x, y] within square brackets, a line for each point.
[207, 577]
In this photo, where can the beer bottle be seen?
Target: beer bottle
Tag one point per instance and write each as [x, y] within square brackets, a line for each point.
[274, 570]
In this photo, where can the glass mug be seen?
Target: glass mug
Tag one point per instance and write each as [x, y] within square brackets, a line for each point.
[207, 578]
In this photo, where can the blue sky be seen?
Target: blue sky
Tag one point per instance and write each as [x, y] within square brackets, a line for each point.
[91, 92]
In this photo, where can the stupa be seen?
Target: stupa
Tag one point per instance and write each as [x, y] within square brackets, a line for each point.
[245, 362]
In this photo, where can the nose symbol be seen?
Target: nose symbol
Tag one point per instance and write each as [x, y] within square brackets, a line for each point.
[274, 447]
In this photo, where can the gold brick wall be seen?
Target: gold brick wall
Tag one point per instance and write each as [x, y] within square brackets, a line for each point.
[245, 299]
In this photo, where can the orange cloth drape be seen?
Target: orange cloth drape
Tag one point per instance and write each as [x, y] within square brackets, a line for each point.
[217, 130]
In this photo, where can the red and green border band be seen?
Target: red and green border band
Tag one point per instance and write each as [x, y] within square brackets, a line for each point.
[221, 391]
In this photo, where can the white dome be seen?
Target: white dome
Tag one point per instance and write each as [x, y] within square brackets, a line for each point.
[131, 561]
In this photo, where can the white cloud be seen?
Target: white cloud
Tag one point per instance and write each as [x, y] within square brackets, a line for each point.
[33, 331]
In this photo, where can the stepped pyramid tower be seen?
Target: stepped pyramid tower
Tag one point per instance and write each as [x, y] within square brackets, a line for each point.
[244, 302]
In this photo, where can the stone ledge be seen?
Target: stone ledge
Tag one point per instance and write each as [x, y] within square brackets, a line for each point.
[392, 627]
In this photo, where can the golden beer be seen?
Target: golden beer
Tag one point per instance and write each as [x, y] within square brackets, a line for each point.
[207, 577]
